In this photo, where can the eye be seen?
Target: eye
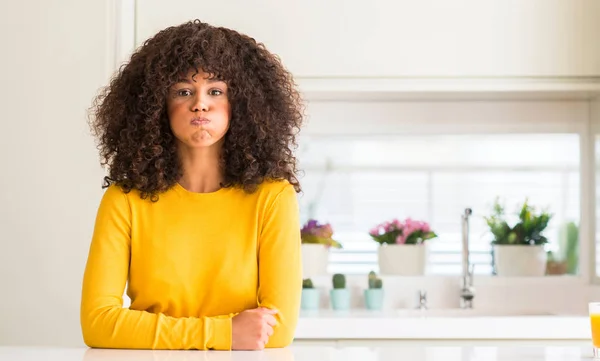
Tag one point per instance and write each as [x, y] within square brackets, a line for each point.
[184, 93]
[215, 92]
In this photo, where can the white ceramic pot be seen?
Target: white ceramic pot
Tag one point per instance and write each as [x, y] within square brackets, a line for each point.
[315, 258]
[520, 260]
[402, 259]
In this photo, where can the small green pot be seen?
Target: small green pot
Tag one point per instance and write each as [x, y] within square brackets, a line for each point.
[309, 299]
[374, 298]
[340, 299]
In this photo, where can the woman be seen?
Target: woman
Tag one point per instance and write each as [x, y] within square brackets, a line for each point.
[200, 215]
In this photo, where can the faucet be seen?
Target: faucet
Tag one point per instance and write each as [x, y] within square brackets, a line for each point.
[467, 291]
[422, 303]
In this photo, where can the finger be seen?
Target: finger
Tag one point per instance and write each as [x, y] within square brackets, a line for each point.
[267, 331]
[270, 320]
[260, 342]
[264, 330]
[265, 339]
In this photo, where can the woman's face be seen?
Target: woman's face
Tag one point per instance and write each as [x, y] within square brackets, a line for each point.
[199, 110]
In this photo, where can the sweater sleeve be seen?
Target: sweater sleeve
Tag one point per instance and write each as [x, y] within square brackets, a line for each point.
[104, 321]
[279, 266]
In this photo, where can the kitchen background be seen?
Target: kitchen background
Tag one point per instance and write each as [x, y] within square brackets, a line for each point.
[415, 109]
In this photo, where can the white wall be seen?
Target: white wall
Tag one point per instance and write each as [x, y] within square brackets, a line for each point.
[54, 58]
[445, 117]
[353, 38]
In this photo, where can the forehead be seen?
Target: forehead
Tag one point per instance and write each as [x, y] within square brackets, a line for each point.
[198, 75]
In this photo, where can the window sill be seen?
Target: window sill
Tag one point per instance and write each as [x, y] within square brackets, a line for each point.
[562, 295]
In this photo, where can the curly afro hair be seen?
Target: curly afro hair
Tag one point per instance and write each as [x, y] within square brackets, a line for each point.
[129, 117]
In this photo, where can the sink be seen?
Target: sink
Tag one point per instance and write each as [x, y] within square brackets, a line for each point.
[458, 312]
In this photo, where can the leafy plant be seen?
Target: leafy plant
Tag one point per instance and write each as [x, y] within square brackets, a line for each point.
[568, 252]
[315, 233]
[407, 232]
[386, 232]
[571, 247]
[339, 281]
[374, 281]
[307, 283]
[526, 231]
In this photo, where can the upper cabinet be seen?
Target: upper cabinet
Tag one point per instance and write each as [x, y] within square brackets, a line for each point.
[377, 39]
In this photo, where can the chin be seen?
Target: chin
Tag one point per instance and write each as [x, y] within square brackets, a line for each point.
[207, 143]
[195, 142]
[201, 145]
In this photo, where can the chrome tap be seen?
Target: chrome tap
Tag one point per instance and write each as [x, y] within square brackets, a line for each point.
[467, 291]
[422, 303]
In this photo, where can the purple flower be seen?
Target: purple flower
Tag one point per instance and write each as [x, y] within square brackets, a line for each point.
[310, 226]
[314, 232]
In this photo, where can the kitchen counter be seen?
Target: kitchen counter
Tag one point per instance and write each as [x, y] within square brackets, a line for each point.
[311, 353]
[440, 325]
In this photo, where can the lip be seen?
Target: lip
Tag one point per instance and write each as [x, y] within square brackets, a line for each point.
[199, 121]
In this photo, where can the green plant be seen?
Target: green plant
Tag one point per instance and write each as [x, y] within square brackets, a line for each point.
[314, 233]
[569, 239]
[339, 281]
[374, 281]
[307, 283]
[526, 231]
[572, 249]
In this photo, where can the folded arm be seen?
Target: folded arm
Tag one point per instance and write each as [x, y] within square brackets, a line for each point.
[104, 321]
[279, 265]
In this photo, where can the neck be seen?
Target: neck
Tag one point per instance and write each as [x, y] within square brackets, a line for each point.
[202, 172]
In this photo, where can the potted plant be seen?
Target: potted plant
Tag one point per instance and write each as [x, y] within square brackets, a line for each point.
[340, 296]
[519, 249]
[402, 248]
[565, 259]
[374, 294]
[317, 239]
[310, 296]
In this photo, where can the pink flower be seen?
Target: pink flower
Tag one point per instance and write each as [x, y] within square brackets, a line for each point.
[374, 231]
[400, 239]
[387, 226]
[401, 232]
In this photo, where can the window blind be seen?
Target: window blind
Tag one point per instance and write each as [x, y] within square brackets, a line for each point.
[355, 182]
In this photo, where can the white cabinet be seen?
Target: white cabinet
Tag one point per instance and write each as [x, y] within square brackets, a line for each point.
[405, 38]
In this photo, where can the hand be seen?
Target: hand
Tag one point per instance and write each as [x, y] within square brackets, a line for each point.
[251, 329]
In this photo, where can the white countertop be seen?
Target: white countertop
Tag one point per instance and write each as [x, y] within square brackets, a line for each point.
[310, 353]
[430, 325]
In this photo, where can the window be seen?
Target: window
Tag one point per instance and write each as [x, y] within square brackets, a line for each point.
[357, 181]
[597, 197]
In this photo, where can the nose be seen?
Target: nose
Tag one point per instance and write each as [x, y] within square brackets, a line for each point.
[199, 104]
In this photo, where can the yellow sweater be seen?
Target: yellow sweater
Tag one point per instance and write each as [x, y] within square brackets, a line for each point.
[191, 262]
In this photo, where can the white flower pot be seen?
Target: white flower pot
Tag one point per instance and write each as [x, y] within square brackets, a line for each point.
[520, 260]
[402, 259]
[315, 258]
